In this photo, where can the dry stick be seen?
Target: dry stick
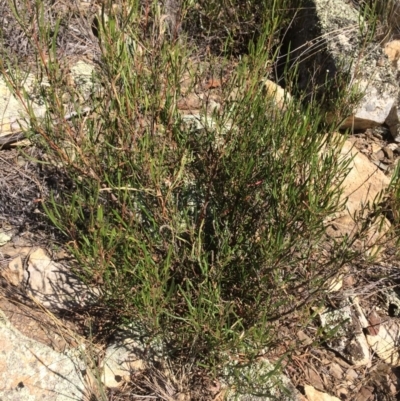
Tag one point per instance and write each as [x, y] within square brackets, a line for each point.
[10, 139]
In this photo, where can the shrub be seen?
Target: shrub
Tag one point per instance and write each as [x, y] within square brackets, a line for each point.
[207, 229]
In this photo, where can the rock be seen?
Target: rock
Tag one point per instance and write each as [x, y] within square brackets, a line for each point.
[33, 371]
[392, 301]
[388, 153]
[53, 285]
[14, 273]
[365, 394]
[336, 371]
[305, 340]
[131, 350]
[351, 375]
[313, 378]
[378, 156]
[120, 361]
[364, 181]
[82, 74]
[279, 96]
[4, 238]
[335, 283]
[348, 338]
[12, 250]
[258, 376]
[343, 393]
[310, 44]
[13, 114]
[343, 59]
[384, 342]
[314, 395]
[382, 336]
[392, 51]
[375, 147]
[378, 107]
[361, 187]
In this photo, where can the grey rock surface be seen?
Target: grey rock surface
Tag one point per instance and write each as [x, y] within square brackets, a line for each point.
[326, 39]
[31, 371]
[348, 338]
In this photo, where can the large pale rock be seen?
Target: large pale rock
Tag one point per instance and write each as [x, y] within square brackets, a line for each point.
[13, 109]
[53, 284]
[13, 114]
[325, 38]
[312, 44]
[378, 107]
[370, 242]
[364, 181]
[32, 371]
[362, 187]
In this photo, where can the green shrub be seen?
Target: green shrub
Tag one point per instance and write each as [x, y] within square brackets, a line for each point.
[206, 229]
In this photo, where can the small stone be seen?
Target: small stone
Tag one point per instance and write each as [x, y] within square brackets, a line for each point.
[349, 281]
[392, 50]
[14, 273]
[280, 97]
[374, 321]
[314, 395]
[4, 238]
[336, 371]
[304, 339]
[349, 340]
[351, 375]
[378, 156]
[365, 394]
[313, 378]
[342, 363]
[388, 152]
[375, 147]
[392, 146]
[335, 283]
[120, 361]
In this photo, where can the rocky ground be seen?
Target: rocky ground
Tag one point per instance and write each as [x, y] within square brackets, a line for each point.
[328, 368]
[42, 345]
